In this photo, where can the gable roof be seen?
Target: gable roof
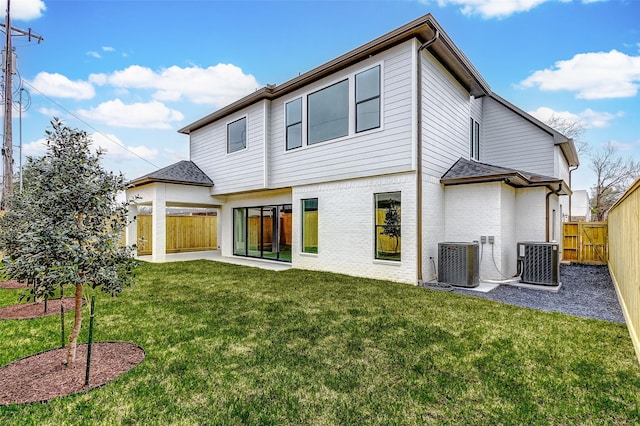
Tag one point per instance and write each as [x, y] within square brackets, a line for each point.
[466, 171]
[423, 29]
[566, 144]
[183, 172]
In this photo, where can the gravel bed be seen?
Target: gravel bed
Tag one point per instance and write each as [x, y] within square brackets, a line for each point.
[587, 291]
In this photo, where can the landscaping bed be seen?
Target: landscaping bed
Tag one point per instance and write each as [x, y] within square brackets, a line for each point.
[587, 291]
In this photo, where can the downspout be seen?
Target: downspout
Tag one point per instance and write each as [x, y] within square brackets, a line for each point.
[548, 239]
[422, 47]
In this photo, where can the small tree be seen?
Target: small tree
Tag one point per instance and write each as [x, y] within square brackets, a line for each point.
[391, 227]
[65, 226]
[614, 174]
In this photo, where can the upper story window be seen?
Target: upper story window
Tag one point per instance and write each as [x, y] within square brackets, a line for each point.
[349, 106]
[294, 124]
[368, 99]
[237, 135]
[474, 139]
[328, 113]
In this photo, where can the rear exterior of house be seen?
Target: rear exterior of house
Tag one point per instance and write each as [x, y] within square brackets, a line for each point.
[364, 164]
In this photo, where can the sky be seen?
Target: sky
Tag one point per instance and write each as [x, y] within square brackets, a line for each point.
[131, 73]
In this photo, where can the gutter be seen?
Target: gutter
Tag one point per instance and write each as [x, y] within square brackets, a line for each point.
[425, 45]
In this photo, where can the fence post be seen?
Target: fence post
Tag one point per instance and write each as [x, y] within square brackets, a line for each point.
[93, 303]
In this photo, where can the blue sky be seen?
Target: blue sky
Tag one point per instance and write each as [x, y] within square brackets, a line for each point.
[133, 72]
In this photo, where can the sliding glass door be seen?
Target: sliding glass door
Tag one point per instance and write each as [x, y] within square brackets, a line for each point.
[263, 232]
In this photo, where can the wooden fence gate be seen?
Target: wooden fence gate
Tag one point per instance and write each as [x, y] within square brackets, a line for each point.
[184, 233]
[585, 242]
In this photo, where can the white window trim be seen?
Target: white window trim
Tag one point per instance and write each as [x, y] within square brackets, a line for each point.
[351, 77]
[226, 135]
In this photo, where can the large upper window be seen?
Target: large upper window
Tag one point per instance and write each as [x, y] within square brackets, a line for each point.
[294, 124]
[368, 99]
[388, 225]
[237, 135]
[474, 139]
[328, 113]
[310, 225]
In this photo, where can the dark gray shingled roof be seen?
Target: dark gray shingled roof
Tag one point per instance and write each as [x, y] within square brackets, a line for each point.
[183, 172]
[467, 171]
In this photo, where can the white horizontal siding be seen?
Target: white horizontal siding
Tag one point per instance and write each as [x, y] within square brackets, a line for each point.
[511, 141]
[239, 171]
[376, 152]
[445, 118]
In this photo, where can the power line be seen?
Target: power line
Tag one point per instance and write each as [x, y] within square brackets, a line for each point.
[91, 126]
[9, 70]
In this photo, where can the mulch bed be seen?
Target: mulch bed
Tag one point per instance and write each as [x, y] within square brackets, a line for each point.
[42, 377]
[12, 284]
[36, 309]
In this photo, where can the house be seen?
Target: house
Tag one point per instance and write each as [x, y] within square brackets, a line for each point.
[364, 164]
[580, 206]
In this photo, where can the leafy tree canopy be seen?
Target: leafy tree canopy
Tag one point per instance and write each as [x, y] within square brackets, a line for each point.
[65, 225]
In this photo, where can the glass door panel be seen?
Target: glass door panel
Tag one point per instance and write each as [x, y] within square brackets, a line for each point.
[239, 232]
[269, 233]
[254, 225]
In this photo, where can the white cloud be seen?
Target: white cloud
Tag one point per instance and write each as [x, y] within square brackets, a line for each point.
[624, 146]
[35, 149]
[50, 111]
[108, 49]
[492, 8]
[497, 8]
[113, 148]
[24, 10]
[151, 115]
[588, 118]
[116, 150]
[94, 54]
[57, 85]
[217, 85]
[598, 75]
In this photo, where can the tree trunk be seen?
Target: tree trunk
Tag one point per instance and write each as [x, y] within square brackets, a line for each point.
[77, 322]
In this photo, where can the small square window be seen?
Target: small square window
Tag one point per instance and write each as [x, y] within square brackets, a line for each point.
[237, 135]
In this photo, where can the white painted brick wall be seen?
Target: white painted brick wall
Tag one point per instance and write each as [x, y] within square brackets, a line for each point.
[346, 221]
[530, 211]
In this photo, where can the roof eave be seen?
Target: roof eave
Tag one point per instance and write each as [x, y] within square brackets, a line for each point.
[147, 181]
[422, 28]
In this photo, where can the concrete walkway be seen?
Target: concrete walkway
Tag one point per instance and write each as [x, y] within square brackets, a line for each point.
[216, 256]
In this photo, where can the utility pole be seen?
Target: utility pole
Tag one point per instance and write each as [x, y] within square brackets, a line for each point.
[8, 68]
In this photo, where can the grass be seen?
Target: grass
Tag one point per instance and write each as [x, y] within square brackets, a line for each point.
[227, 344]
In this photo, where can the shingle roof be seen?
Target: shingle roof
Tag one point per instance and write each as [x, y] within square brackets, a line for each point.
[183, 172]
[467, 171]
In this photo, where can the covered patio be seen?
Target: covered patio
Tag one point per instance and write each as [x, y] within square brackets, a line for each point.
[182, 184]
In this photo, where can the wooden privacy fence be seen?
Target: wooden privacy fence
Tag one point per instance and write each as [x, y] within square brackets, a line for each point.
[183, 233]
[585, 242]
[624, 257]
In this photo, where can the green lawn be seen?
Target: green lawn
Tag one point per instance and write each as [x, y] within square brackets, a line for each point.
[228, 344]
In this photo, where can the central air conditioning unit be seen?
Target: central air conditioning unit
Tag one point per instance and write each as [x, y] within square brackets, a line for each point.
[459, 264]
[539, 262]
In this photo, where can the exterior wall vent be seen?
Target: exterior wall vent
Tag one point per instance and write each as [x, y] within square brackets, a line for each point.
[459, 264]
[539, 263]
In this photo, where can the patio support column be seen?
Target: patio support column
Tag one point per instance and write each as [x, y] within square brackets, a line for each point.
[131, 233]
[159, 224]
